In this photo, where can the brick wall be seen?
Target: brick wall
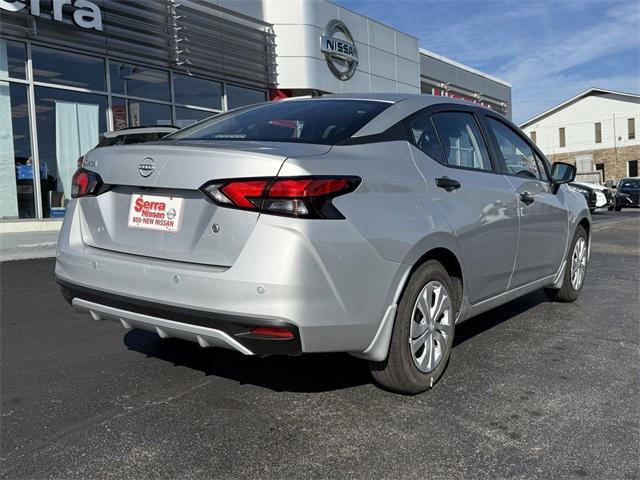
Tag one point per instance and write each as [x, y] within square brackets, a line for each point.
[615, 160]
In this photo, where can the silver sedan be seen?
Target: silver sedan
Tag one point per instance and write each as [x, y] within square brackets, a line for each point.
[368, 224]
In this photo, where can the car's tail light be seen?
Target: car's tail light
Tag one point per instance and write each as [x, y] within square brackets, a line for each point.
[307, 197]
[86, 183]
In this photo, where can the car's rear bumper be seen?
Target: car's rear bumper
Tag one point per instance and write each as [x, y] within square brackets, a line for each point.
[334, 299]
[206, 328]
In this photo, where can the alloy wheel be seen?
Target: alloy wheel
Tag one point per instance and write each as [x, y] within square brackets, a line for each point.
[578, 263]
[430, 326]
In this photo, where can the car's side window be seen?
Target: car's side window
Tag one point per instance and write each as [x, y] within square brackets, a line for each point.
[517, 154]
[541, 166]
[462, 140]
[424, 136]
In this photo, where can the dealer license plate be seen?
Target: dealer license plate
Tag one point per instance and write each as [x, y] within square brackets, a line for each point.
[155, 212]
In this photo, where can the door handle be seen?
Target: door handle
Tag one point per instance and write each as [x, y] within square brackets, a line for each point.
[527, 198]
[449, 184]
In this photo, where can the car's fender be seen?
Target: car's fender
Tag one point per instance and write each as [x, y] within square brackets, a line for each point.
[378, 349]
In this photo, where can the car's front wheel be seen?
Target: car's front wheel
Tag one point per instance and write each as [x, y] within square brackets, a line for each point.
[575, 270]
[422, 333]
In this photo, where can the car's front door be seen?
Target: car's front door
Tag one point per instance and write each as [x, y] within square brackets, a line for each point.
[543, 216]
[478, 202]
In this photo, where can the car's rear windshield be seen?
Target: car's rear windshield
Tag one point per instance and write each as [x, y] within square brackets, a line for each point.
[299, 121]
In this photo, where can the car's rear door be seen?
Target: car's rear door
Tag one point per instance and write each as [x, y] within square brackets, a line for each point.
[476, 200]
[543, 216]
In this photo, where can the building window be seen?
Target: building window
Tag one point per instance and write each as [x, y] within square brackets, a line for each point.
[17, 190]
[135, 113]
[563, 138]
[136, 81]
[533, 137]
[598, 127]
[631, 126]
[70, 69]
[13, 59]
[600, 168]
[632, 168]
[197, 92]
[69, 125]
[584, 164]
[239, 96]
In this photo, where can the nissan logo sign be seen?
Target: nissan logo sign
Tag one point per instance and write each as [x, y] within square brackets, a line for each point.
[339, 50]
[146, 167]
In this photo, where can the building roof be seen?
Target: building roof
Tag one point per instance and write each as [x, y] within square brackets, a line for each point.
[442, 58]
[586, 93]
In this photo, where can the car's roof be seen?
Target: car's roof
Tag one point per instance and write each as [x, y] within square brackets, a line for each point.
[404, 104]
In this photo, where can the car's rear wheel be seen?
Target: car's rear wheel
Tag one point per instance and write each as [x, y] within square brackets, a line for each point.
[617, 209]
[575, 271]
[422, 333]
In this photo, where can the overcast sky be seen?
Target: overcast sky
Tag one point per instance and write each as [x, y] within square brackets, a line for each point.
[548, 50]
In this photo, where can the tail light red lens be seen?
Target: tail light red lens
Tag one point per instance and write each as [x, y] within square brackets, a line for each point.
[306, 197]
[245, 194]
[307, 187]
[85, 183]
[273, 332]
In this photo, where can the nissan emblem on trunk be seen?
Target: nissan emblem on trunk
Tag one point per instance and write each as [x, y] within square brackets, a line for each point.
[146, 167]
[339, 50]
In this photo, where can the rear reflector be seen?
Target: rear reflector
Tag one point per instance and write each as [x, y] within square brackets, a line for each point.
[274, 332]
[305, 197]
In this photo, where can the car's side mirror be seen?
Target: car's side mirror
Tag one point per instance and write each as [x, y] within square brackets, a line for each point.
[562, 173]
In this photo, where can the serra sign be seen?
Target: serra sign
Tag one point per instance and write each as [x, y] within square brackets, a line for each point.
[86, 14]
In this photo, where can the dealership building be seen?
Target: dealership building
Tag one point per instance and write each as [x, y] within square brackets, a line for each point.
[72, 69]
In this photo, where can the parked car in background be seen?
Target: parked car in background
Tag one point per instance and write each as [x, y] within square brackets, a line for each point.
[597, 196]
[130, 136]
[133, 135]
[627, 193]
[369, 224]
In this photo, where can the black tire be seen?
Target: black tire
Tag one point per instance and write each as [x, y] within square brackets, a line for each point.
[617, 209]
[567, 293]
[398, 372]
[591, 210]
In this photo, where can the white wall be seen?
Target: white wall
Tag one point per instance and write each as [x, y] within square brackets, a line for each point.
[389, 60]
[578, 120]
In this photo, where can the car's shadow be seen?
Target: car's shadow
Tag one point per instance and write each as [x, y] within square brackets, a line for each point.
[305, 373]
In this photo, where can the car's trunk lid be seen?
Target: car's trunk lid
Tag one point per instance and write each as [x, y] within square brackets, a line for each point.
[171, 173]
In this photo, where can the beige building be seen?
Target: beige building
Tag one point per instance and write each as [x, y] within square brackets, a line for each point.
[597, 130]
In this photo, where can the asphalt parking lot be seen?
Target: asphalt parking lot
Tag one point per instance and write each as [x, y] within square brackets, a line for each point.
[533, 390]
